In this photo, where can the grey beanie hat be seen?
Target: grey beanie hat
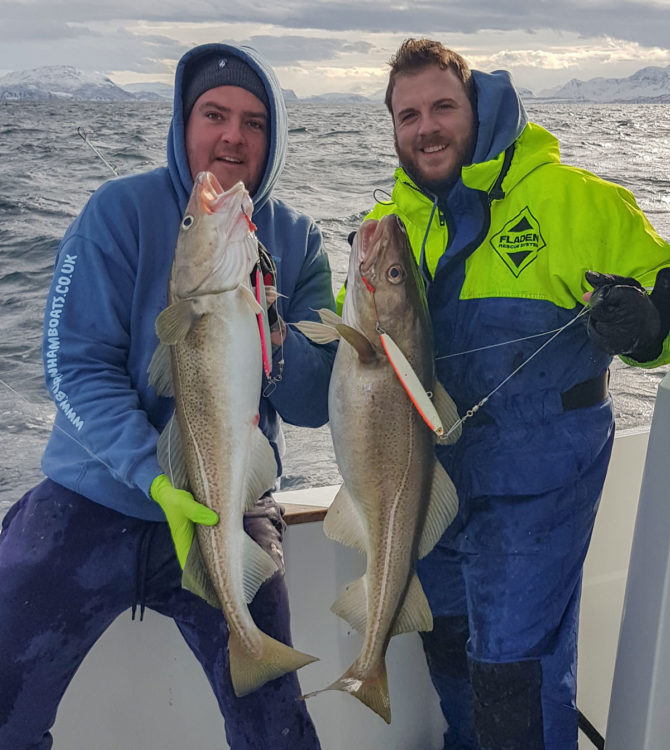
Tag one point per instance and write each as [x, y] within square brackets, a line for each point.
[219, 69]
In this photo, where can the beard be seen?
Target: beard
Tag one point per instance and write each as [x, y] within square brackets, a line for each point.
[462, 154]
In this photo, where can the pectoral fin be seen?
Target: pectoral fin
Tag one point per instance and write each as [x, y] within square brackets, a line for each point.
[249, 297]
[174, 323]
[364, 349]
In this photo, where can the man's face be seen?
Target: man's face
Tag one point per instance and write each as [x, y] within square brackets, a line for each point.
[434, 125]
[227, 134]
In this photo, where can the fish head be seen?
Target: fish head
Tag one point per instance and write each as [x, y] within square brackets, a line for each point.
[384, 287]
[216, 246]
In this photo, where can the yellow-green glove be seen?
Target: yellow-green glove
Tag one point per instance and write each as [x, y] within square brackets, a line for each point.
[182, 510]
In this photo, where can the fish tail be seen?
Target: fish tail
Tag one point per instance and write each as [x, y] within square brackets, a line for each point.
[249, 670]
[372, 689]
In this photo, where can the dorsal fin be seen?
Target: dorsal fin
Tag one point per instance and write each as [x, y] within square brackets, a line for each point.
[160, 371]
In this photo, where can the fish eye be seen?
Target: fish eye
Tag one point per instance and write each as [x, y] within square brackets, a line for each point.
[395, 274]
[187, 222]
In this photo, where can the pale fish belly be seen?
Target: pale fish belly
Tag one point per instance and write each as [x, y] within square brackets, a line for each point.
[231, 464]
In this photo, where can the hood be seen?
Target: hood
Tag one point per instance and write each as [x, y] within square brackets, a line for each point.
[176, 148]
[501, 116]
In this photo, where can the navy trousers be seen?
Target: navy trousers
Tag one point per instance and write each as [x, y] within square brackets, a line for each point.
[504, 585]
[69, 567]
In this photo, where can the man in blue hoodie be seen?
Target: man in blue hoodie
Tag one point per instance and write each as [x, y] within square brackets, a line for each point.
[91, 540]
[506, 237]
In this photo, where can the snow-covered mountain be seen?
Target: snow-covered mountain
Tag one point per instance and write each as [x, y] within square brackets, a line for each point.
[650, 84]
[336, 97]
[153, 91]
[60, 82]
[525, 93]
[67, 82]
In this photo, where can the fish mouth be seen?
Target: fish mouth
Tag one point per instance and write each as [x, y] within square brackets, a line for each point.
[372, 237]
[212, 195]
[366, 242]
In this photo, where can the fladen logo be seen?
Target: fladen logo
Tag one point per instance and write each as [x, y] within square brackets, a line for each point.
[519, 241]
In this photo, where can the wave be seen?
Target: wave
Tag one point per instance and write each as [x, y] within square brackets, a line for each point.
[338, 156]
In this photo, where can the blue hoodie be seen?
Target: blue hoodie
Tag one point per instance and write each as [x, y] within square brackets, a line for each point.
[109, 285]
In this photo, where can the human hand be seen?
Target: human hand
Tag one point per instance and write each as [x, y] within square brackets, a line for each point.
[623, 319]
[182, 511]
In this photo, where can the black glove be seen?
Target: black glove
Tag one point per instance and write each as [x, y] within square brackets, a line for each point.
[624, 319]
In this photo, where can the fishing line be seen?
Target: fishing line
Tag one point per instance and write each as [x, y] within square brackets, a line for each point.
[504, 343]
[474, 409]
[58, 427]
[84, 136]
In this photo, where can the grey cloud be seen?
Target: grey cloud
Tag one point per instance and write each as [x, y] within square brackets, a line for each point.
[104, 51]
[361, 48]
[16, 31]
[285, 50]
[642, 22]
[646, 23]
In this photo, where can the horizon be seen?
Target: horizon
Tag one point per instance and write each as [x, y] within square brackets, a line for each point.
[149, 85]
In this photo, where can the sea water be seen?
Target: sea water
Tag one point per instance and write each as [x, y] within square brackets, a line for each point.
[340, 157]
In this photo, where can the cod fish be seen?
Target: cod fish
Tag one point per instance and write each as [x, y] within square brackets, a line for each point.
[210, 360]
[396, 499]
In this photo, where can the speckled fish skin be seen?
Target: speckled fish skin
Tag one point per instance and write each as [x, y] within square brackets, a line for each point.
[211, 327]
[385, 453]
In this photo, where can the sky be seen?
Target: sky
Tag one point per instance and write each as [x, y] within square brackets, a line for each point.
[322, 46]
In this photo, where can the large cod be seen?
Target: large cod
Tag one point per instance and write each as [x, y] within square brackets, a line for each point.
[396, 499]
[210, 359]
